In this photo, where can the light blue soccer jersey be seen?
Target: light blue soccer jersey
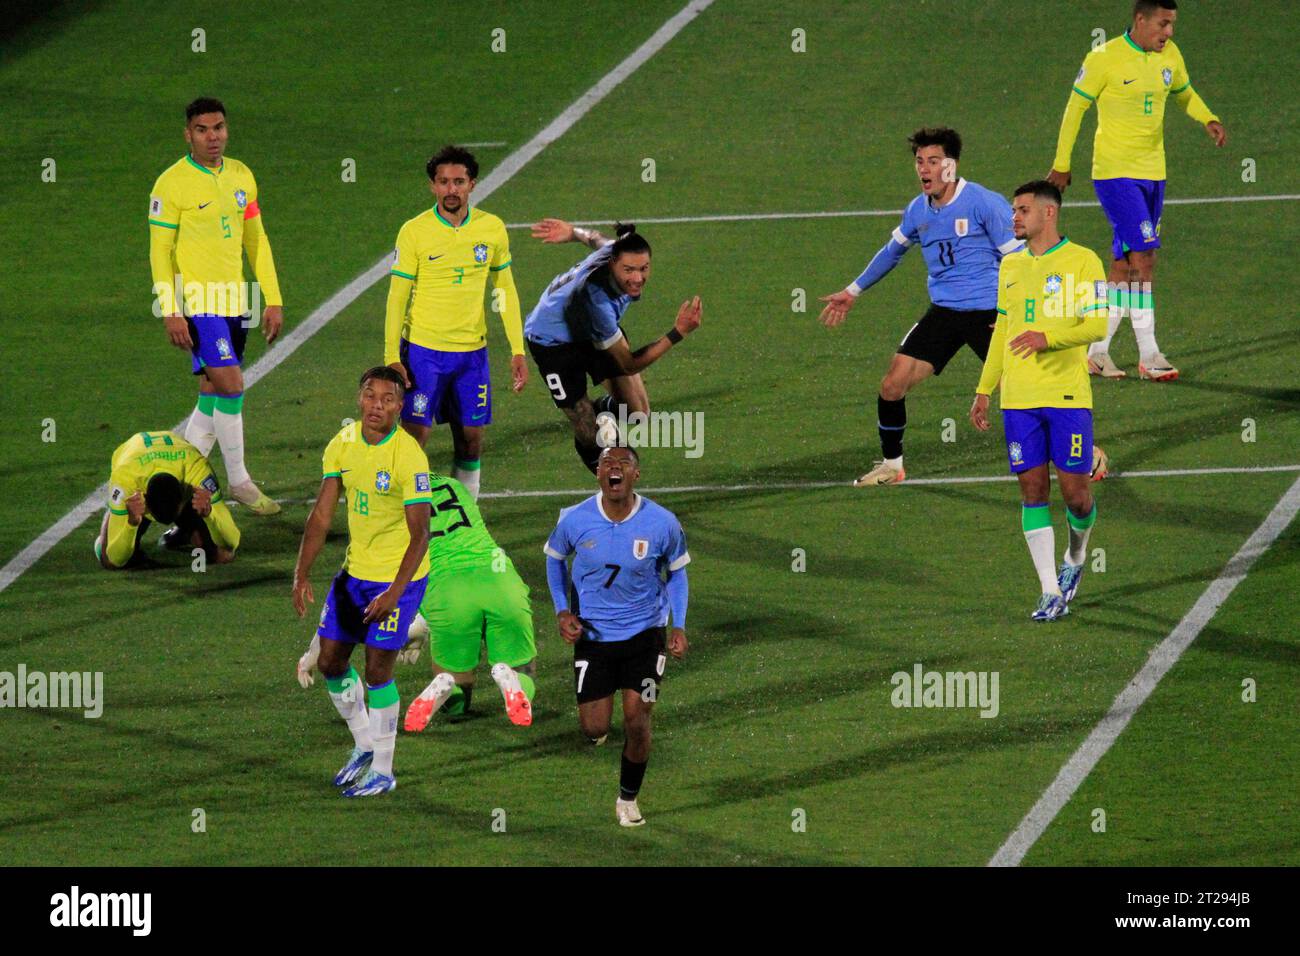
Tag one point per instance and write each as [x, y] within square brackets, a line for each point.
[581, 305]
[963, 243]
[617, 566]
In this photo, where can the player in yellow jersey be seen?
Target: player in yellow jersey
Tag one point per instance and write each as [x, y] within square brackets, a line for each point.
[384, 475]
[1130, 79]
[435, 327]
[159, 476]
[1052, 302]
[203, 219]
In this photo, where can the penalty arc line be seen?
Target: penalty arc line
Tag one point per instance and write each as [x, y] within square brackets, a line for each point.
[1162, 659]
[866, 213]
[323, 314]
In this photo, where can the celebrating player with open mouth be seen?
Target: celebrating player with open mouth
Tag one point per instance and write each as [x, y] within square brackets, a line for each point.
[573, 333]
[629, 572]
[384, 475]
[1052, 302]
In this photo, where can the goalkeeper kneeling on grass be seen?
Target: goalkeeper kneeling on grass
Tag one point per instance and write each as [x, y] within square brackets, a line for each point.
[474, 596]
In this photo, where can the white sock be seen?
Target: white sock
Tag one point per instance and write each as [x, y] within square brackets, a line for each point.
[1042, 548]
[201, 432]
[352, 709]
[1077, 552]
[506, 679]
[383, 731]
[439, 690]
[229, 427]
[1116, 316]
[469, 477]
[895, 462]
[1144, 330]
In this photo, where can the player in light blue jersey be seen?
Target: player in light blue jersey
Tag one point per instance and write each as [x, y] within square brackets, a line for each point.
[573, 333]
[963, 230]
[627, 578]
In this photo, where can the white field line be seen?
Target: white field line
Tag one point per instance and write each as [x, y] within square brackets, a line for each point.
[1162, 659]
[816, 485]
[318, 319]
[864, 213]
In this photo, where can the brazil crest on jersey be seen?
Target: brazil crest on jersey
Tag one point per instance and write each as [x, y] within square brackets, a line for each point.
[618, 566]
[379, 481]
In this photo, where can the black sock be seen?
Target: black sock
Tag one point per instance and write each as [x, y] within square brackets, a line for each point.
[469, 695]
[892, 420]
[590, 454]
[605, 404]
[629, 780]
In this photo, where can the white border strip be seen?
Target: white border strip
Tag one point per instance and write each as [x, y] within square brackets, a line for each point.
[1165, 655]
[866, 213]
[318, 319]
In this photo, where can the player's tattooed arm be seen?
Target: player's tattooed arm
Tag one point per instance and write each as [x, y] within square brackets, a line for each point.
[313, 539]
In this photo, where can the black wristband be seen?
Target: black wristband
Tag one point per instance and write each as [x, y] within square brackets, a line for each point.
[674, 336]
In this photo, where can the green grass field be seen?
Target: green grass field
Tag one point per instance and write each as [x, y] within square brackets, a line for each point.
[784, 702]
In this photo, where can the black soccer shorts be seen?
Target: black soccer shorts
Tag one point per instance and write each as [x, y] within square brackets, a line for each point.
[942, 332]
[566, 368]
[602, 667]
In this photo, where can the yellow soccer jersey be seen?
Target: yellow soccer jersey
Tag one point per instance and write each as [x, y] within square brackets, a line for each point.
[1130, 87]
[1062, 294]
[201, 221]
[137, 460]
[450, 266]
[379, 481]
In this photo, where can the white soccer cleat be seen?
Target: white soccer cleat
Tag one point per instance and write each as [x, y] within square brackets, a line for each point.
[417, 635]
[518, 708]
[429, 702]
[606, 430]
[1157, 368]
[307, 663]
[883, 474]
[629, 815]
[252, 498]
[1101, 364]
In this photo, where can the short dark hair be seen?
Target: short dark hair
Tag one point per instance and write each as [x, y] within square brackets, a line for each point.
[384, 374]
[629, 240]
[165, 497]
[204, 104]
[453, 155]
[937, 136]
[1148, 7]
[636, 458]
[1039, 189]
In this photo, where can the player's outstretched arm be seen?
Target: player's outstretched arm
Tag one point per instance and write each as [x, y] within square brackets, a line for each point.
[688, 320]
[889, 255]
[313, 539]
[557, 230]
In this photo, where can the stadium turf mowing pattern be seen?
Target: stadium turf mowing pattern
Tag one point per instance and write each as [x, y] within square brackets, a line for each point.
[784, 701]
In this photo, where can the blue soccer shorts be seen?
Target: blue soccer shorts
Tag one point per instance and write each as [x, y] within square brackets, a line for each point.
[1035, 435]
[218, 340]
[447, 386]
[343, 616]
[1133, 207]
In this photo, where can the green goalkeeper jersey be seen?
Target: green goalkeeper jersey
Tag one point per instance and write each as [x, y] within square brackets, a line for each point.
[458, 538]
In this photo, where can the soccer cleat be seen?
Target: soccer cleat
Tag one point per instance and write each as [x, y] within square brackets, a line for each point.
[1100, 463]
[371, 785]
[252, 498]
[174, 539]
[598, 741]
[430, 699]
[1157, 368]
[1067, 579]
[1101, 364]
[518, 708]
[883, 474]
[629, 815]
[606, 430]
[1050, 607]
[358, 762]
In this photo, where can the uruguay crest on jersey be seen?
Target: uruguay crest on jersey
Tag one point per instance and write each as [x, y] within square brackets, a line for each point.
[640, 548]
[961, 226]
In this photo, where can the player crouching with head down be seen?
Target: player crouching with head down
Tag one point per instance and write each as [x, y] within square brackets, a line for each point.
[159, 476]
[1052, 302]
[384, 476]
[629, 571]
